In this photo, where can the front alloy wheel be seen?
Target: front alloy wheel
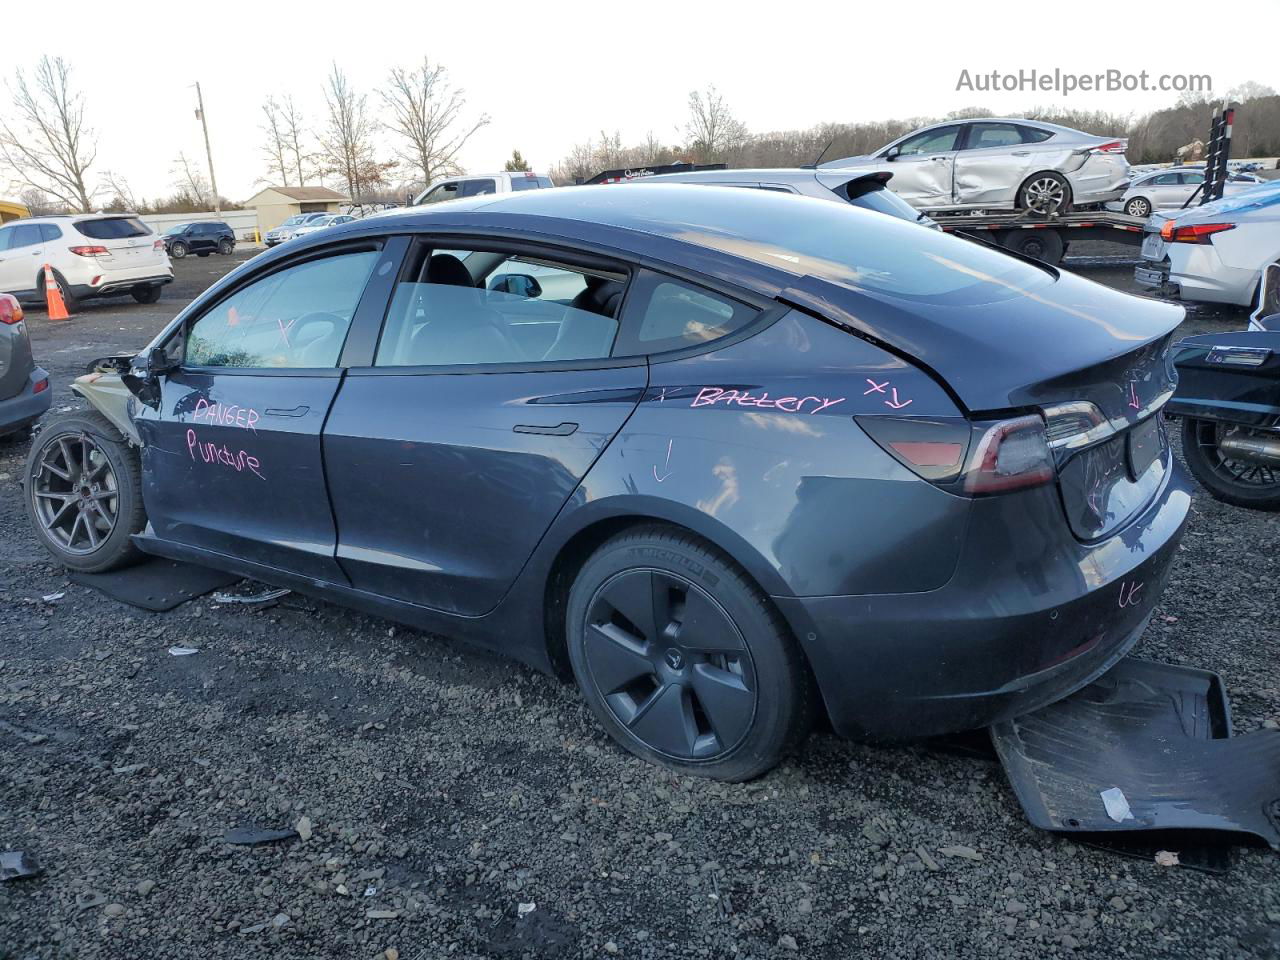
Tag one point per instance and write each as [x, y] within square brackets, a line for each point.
[84, 492]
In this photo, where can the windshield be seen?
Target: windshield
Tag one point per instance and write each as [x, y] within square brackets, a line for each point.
[177, 228]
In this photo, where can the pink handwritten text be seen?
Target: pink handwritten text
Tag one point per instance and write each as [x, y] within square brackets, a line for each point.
[1129, 593]
[225, 414]
[709, 396]
[222, 455]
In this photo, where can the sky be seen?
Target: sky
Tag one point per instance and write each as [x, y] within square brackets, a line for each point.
[552, 77]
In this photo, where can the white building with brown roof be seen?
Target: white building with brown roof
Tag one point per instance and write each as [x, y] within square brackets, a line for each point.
[275, 205]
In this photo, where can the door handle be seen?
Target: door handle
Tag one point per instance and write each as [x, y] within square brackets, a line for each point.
[542, 429]
[297, 411]
[1021, 153]
[937, 158]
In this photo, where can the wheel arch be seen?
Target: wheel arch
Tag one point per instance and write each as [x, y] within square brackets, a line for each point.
[572, 549]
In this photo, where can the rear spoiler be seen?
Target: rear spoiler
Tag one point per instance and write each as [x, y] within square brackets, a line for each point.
[865, 183]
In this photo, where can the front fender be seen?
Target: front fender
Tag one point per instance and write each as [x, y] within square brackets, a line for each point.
[108, 395]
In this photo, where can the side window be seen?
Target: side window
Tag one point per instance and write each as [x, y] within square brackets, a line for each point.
[982, 135]
[1165, 179]
[296, 317]
[1193, 178]
[26, 235]
[931, 141]
[446, 191]
[665, 314]
[1033, 135]
[6, 237]
[477, 188]
[499, 308]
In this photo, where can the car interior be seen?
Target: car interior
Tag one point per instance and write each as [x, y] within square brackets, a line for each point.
[468, 307]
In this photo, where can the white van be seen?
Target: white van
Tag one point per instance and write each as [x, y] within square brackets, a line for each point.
[478, 184]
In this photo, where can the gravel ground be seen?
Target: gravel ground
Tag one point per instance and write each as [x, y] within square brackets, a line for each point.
[439, 789]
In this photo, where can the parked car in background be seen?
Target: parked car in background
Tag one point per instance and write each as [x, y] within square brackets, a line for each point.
[285, 231]
[999, 164]
[92, 255]
[1169, 189]
[728, 458]
[479, 184]
[201, 237]
[321, 223]
[868, 190]
[1214, 252]
[24, 387]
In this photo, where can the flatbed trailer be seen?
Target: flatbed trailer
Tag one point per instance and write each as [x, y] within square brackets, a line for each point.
[1041, 237]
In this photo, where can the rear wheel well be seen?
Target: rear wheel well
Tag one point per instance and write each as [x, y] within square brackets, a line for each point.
[575, 553]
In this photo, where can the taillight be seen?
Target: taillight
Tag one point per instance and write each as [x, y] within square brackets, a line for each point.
[1011, 455]
[1195, 233]
[89, 251]
[973, 458]
[10, 309]
[158, 245]
[1115, 146]
[41, 386]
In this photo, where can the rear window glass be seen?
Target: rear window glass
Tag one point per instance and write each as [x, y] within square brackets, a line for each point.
[113, 228]
[529, 183]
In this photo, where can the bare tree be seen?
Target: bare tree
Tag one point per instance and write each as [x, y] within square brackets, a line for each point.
[712, 131]
[122, 196]
[276, 145]
[46, 143]
[347, 139]
[191, 182]
[427, 114]
[40, 203]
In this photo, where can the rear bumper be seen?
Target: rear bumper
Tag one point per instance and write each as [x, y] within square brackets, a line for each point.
[28, 406]
[117, 285]
[1030, 617]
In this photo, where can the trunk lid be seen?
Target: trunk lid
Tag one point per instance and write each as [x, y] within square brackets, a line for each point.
[1094, 362]
[129, 242]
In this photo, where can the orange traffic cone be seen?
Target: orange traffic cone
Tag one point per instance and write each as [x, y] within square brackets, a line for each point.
[53, 296]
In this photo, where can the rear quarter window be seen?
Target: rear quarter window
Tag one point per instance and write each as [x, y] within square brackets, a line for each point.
[113, 228]
[664, 314]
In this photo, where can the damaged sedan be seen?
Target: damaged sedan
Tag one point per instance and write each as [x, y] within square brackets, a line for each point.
[729, 459]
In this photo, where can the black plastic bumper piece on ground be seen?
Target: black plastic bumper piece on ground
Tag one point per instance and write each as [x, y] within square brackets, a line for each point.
[1159, 733]
[157, 584]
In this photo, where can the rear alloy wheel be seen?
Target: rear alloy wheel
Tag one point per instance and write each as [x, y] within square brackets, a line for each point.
[225, 247]
[1138, 207]
[178, 250]
[83, 489]
[147, 294]
[1045, 193]
[1253, 483]
[683, 660]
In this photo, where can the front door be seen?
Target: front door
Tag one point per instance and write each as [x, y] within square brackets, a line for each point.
[231, 459]
[924, 166]
[993, 164]
[451, 455]
[22, 258]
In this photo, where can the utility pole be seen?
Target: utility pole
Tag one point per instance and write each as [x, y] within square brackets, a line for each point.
[208, 151]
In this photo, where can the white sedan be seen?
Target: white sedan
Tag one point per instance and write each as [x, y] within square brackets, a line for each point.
[321, 223]
[1215, 252]
[1169, 189]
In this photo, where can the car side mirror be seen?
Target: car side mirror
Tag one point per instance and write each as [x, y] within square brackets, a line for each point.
[518, 285]
[893, 153]
[156, 362]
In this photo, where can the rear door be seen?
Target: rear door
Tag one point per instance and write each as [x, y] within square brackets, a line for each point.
[11, 278]
[231, 458]
[450, 454]
[992, 163]
[1167, 191]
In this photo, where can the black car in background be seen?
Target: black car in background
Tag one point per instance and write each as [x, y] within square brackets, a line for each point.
[727, 457]
[201, 238]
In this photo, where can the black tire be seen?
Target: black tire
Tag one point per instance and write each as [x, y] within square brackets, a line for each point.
[1138, 207]
[21, 435]
[63, 446]
[69, 299]
[703, 677]
[226, 247]
[1045, 193]
[148, 294]
[178, 249]
[1235, 482]
[1044, 244]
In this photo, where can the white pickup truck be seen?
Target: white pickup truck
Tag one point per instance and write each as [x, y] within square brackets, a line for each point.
[478, 184]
